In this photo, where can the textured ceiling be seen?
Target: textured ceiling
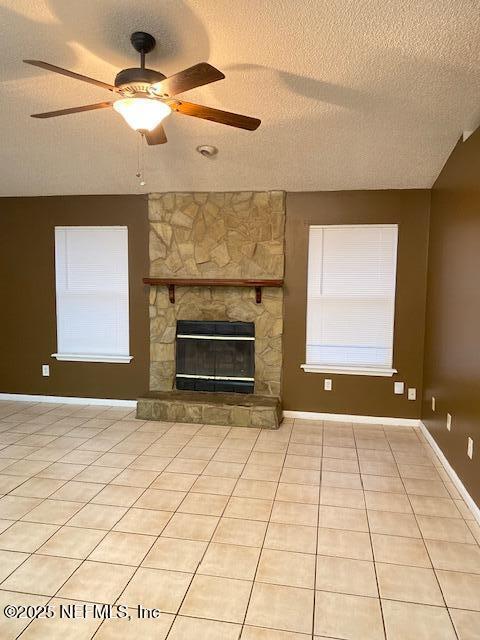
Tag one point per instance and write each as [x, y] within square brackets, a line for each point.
[353, 94]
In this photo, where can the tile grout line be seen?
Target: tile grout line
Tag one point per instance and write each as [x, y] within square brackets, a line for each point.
[372, 550]
[194, 574]
[317, 533]
[243, 624]
[175, 424]
[423, 540]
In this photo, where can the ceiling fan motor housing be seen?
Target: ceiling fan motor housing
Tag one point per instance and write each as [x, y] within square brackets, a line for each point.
[137, 79]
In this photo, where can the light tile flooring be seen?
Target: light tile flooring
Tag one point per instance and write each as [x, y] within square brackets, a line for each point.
[317, 530]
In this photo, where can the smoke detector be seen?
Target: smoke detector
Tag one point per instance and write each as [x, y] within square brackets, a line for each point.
[207, 150]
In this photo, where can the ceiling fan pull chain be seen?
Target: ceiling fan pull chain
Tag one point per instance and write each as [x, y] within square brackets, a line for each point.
[138, 174]
[140, 160]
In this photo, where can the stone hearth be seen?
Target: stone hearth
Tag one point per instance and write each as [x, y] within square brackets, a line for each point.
[238, 410]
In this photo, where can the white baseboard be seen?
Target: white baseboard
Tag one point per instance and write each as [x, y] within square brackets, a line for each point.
[341, 417]
[21, 397]
[451, 472]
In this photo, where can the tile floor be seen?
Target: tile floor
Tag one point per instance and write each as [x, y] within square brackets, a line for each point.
[317, 530]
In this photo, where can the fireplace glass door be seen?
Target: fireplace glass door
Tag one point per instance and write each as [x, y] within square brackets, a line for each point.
[215, 356]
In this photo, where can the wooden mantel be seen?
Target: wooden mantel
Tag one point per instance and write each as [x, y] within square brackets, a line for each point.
[171, 283]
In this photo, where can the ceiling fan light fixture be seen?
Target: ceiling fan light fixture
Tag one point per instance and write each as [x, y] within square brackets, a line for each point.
[142, 114]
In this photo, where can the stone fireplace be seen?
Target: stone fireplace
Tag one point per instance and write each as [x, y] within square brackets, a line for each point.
[217, 236]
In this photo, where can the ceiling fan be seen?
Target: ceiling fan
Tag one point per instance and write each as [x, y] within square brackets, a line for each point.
[145, 97]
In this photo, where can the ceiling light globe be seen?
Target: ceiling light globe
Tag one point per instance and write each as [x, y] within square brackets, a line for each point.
[142, 114]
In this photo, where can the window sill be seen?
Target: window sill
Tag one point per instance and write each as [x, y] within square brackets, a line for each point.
[85, 357]
[352, 371]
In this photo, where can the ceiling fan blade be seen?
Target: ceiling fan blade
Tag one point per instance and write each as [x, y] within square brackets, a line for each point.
[216, 115]
[157, 136]
[196, 76]
[71, 74]
[65, 112]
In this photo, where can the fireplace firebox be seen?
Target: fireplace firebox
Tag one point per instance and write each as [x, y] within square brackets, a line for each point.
[215, 356]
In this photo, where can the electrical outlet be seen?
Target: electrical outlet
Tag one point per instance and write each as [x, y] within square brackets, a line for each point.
[470, 448]
[433, 403]
[398, 388]
[327, 384]
[45, 370]
[412, 393]
[449, 422]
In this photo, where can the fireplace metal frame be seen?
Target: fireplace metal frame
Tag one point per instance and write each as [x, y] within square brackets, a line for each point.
[230, 382]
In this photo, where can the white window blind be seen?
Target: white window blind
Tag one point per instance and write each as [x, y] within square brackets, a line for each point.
[91, 267]
[351, 299]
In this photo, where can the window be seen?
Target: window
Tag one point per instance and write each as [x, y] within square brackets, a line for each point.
[351, 299]
[91, 267]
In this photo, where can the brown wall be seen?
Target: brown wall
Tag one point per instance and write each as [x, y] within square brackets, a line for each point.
[361, 395]
[452, 346]
[27, 295]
